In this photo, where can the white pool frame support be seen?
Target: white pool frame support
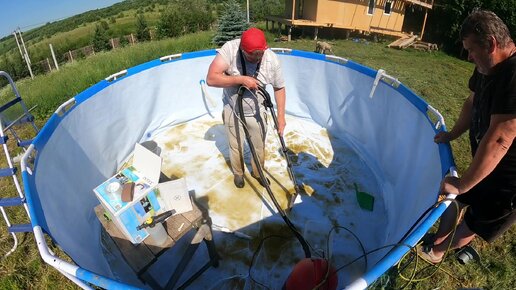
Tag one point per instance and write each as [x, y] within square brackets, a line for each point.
[400, 250]
[381, 75]
[79, 275]
[76, 274]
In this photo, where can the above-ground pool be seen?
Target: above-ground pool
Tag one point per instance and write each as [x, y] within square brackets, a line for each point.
[349, 129]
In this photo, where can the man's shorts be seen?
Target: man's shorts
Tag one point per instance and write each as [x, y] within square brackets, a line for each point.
[491, 209]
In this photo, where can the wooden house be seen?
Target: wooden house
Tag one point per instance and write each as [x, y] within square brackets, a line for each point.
[369, 16]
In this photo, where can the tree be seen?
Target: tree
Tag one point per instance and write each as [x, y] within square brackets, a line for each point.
[170, 23]
[142, 29]
[8, 67]
[100, 39]
[259, 9]
[197, 16]
[232, 23]
[445, 20]
[104, 25]
[184, 17]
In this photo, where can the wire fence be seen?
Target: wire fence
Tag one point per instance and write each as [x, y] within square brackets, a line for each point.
[47, 65]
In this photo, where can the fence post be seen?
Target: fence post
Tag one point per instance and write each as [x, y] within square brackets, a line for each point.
[132, 39]
[71, 56]
[25, 54]
[53, 56]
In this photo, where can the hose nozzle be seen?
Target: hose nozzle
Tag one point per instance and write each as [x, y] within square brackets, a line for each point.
[152, 221]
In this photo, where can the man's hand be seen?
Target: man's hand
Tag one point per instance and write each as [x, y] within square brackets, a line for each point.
[450, 185]
[250, 82]
[443, 137]
[281, 125]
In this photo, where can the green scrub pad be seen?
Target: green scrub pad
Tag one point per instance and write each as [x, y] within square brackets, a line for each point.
[365, 200]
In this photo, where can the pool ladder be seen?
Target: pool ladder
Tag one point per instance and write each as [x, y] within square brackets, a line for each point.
[8, 124]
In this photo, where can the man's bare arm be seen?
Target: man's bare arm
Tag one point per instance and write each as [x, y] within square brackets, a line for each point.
[280, 97]
[462, 124]
[492, 148]
[217, 76]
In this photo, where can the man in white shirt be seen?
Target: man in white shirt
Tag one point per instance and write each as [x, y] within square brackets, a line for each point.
[247, 62]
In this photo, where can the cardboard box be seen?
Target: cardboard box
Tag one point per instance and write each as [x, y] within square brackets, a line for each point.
[127, 216]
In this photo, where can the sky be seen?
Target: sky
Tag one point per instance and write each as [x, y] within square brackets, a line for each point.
[29, 14]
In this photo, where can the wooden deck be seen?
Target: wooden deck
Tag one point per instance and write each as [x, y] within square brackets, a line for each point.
[424, 3]
[309, 23]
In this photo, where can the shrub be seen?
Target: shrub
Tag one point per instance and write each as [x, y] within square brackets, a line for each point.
[104, 25]
[100, 39]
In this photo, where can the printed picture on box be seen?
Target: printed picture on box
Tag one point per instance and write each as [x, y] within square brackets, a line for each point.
[146, 204]
[121, 178]
[140, 187]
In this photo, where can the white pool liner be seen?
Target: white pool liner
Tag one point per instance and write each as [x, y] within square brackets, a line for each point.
[341, 136]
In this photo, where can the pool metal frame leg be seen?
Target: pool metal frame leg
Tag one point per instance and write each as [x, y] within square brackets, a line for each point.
[203, 234]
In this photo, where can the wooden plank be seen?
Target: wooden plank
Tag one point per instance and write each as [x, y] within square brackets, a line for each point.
[195, 216]
[177, 226]
[403, 42]
[420, 45]
[396, 42]
[137, 256]
[408, 42]
[427, 4]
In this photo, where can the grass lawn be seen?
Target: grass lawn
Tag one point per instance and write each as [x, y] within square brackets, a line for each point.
[438, 78]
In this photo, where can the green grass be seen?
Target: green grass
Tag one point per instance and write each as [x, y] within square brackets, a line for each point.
[438, 78]
[62, 42]
[82, 36]
[50, 90]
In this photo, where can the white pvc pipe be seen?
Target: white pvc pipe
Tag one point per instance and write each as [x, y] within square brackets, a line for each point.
[358, 284]
[77, 281]
[50, 259]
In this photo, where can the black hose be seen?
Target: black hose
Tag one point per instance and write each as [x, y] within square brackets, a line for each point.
[294, 230]
[268, 104]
